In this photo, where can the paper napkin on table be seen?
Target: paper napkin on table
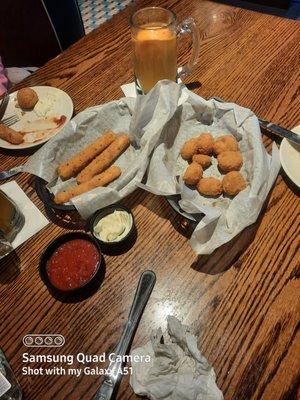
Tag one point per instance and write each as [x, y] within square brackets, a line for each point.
[129, 89]
[177, 370]
[34, 219]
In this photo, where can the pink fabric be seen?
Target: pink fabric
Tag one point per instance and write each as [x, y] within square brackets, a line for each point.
[3, 79]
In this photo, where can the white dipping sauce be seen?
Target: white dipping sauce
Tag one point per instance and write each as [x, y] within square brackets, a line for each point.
[114, 226]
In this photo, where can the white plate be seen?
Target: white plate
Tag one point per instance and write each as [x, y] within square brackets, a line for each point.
[290, 158]
[61, 104]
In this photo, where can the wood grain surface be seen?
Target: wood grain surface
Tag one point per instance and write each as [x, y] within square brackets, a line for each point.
[243, 300]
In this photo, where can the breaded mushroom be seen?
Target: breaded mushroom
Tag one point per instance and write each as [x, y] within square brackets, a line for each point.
[202, 159]
[225, 143]
[205, 143]
[230, 161]
[189, 149]
[209, 187]
[27, 98]
[202, 144]
[233, 183]
[193, 174]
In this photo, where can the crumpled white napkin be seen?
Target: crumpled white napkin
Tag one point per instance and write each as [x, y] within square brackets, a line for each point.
[177, 370]
[34, 219]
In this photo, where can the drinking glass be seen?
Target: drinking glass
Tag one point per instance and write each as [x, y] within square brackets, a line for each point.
[6, 374]
[154, 33]
[11, 222]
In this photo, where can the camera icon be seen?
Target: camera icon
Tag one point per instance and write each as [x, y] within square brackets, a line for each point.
[43, 340]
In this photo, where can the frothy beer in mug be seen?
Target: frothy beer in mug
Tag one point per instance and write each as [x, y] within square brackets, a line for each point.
[154, 32]
[154, 55]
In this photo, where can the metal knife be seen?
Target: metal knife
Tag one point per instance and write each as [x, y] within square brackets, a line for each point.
[11, 172]
[273, 129]
[142, 294]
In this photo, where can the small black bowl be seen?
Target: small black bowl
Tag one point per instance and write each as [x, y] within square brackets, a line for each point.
[117, 247]
[51, 249]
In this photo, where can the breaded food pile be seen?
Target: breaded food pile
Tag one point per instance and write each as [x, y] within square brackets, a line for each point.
[199, 151]
[27, 98]
[92, 166]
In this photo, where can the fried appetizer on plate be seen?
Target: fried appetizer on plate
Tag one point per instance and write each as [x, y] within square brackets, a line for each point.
[27, 98]
[10, 135]
[203, 160]
[193, 174]
[233, 183]
[225, 143]
[209, 187]
[230, 161]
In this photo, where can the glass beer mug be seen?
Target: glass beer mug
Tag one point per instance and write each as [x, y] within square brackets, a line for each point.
[154, 33]
[11, 222]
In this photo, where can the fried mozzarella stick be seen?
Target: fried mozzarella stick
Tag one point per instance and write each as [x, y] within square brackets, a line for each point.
[104, 160]
[103, 179]
[75, 164]
[10, 135]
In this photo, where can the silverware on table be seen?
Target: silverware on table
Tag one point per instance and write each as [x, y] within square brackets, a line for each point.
[10, 120]
[273, 129]
[3, 105]
[142, 294]
[11, 172]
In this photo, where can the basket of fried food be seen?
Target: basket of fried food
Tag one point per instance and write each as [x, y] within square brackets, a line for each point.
[92, 167]
[200, 152]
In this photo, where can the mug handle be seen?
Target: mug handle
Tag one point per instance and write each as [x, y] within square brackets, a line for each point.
[189, 26]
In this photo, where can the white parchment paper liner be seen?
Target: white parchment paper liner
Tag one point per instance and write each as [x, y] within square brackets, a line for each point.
[158, 124]
[224, 217]
[177, 369]
[83, 129]
[127, 115]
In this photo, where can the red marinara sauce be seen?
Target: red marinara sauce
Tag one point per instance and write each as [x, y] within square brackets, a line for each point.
[73, 264]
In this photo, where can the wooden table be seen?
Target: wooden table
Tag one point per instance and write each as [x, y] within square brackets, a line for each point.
[243, 300]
